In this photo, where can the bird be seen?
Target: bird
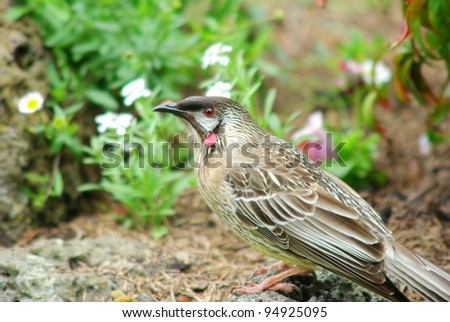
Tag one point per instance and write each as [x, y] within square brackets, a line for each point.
[285, 206]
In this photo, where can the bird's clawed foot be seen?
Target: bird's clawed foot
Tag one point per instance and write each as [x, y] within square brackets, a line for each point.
[279, 266]
[252, 288]
[273, 282]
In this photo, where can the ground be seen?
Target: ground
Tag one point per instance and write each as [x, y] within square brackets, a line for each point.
[200, 260]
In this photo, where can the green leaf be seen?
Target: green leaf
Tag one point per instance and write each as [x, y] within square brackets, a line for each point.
[89, 187]
[38, 129]
[54, 77]
[107, 26]
[58, 111]
[16, 13]
[59, 37]
[436, 137]
[367, 109]
[269, 102]
[57, 184]
[160, 232]
[439, 17]
[86, 47]
[102, 98]
[72, 109]
[166, 212]
[73, 143]
[59, 12]
[439, 113]
[36, 178]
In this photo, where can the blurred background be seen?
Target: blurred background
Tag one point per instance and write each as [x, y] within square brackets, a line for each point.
[84, 194]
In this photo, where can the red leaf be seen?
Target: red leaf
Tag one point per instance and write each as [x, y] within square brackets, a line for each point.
[403, 35]
[385, 103]
[380, 129]
[411, 15]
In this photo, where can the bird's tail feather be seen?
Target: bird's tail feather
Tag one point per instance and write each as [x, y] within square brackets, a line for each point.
[430, 281]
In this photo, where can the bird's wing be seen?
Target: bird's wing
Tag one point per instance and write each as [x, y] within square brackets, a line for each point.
[291, 208]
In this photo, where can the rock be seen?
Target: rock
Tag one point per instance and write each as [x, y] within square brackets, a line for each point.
[26, 160]
[22, 68]
[144, 298]
[199, 285]
[330, 287]
[268, 296]
[42, 272]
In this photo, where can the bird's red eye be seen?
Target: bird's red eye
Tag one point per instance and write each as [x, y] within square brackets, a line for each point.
[209, 112]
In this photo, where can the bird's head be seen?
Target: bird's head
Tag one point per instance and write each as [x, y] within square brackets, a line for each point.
[213, 119]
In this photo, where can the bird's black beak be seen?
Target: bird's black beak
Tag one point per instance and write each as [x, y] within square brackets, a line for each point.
[170, 108]
[186, 115]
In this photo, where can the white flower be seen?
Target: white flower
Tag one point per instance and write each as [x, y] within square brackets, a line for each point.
[104, 121]
[219, 89]
[134, 90]
[118, 122]
[425, 145]
[375, 73]
[216, 54]
[31, 102]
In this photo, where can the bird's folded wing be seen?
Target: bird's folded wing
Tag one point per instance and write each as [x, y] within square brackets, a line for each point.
[293, 211]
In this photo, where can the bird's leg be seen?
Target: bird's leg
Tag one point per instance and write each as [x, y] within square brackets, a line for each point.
[280, 265]
[272, 282]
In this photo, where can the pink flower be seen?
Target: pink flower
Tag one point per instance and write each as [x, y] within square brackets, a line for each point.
[350, 66]
[313, 138]
[321, 3]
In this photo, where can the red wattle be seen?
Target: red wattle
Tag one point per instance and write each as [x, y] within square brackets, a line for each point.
[210, 139]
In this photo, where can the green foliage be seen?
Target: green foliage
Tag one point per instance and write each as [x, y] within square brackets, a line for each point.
[41, 189]
[357, 153]
[60, 132]
[358, 48]
[428, 25]
[138, 169]
[99, 47]
[361, 88]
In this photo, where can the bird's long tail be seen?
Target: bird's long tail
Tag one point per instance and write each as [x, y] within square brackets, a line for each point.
[430, 281]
